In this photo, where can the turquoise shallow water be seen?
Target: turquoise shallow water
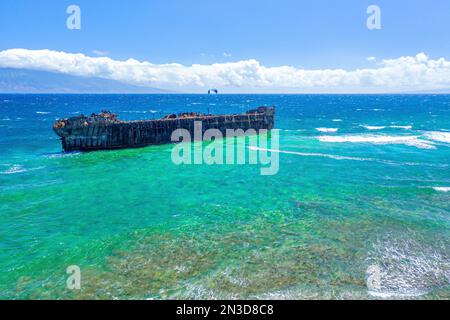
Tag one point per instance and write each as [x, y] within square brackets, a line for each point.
[363, 185]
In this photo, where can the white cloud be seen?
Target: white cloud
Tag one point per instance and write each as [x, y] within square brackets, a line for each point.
[400, 74]
[226, 54]
[371, 58]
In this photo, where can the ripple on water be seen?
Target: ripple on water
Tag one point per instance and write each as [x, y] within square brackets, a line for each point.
[401, 266]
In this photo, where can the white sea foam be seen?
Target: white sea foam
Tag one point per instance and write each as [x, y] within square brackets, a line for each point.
[337, 157]
[393, 294]
[62, 155]
[337, 120]
[413, 141]
[134, 111]
[438, 136]
[374, 127]
[43, 112]
[442, 189]
[16, 168]
[403, 266]
[401, 127]
[327, 129]
[308, 154]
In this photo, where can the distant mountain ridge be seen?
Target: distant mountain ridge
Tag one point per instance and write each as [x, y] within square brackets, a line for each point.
[33, 81]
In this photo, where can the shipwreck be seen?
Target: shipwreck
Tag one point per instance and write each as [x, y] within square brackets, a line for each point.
[105, 131]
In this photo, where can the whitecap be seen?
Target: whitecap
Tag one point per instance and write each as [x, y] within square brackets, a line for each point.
[438, 136]
[413, 141]
[337, 120]
[401, 127]
[374, 127]
[327, 129]
[441, 189]
[43, 112]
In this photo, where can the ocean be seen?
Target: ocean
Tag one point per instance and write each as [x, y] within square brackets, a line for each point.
[359, 208]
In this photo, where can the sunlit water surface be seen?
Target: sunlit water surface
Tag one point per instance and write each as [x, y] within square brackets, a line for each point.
[363, 191]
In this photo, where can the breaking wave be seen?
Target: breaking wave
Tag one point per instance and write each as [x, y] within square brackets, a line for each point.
[409, 127]
[327, 129]
[374, 127]
[441, 189]
[308, 154]
[413, 141]
[337, 157]
[438, 136]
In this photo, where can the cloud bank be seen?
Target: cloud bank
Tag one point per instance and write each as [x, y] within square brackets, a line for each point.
[409, 73]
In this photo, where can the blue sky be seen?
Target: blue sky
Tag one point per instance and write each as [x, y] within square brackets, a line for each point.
[304, 34]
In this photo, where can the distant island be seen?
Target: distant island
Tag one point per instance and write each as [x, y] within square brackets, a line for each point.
[33, 81]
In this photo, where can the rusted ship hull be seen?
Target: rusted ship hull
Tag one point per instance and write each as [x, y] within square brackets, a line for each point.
[105, 131]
